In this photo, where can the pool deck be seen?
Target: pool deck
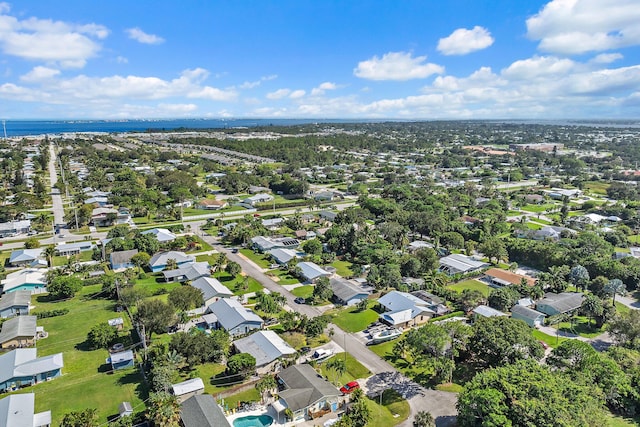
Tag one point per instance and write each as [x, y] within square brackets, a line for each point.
[268, 410]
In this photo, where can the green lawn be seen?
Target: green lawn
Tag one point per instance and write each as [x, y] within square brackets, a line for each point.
[533, 225]
[393, 411]
[235, 283]
[82, 257]
[211, 259]
[354, 371]
[539, 208]
[471, 284]
[343, 268]
[552, 341]
[450, 387]
[616, 421]
[351, 320]
[596, 187]
[635, 238]
[621, 308]
[154, 285]
[284, 278]
[250, 395]
[259, 259]
[303, 291]
[581, 326]
[85, 382]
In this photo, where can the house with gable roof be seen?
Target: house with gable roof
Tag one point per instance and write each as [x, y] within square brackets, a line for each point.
[22, 367]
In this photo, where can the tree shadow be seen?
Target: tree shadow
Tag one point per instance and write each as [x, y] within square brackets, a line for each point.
[446, 421]
[47, 298]
[83, 346]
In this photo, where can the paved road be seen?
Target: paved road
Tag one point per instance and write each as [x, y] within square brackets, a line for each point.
[57, 208]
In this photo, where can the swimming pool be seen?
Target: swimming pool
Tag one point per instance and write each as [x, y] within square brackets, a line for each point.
[253, 421]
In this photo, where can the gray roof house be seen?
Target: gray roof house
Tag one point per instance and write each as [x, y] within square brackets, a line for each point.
[188, 272]
[404, 309]
[266, 346]
[264, 244]
[121, 259]
[22, 367]
[15, 303]
[347, 293]
[162, 234]
[158, 262]
[18, 410]
[457, 263]
[283, 256]
[32, 279]
[25, 257]
[559, 303]
[305, 392]
[18, 331]
[185, 389]
[74, 248]
[531, 317]
[234, 318]
[486, 311]
[202, 410]
[212, 290]
[312, 271]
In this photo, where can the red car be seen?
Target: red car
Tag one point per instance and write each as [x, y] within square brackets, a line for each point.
[349, 387]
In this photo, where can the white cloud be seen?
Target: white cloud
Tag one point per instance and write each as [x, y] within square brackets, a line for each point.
[396, 66]
[463, 41]
[320, 90]
[579, 26]
[279, 94]
[122, 60]
[39, 74]
[179, 109]
[4, 7]
[297, 94]
[606, 58]
[140, 36]
[251, 85]
[537, 66]
[68, 45]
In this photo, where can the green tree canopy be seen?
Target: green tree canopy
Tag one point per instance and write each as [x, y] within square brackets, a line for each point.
[102, 335]
[64, 287]
[185, 298]
[241, 364]
[155, 315]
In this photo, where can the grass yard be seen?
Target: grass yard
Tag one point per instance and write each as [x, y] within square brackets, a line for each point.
[393, 411]
[450, 387]
[259, 259]
[284, 278]
[596, 187]
[351, 320]
[581, 326]
[343, 268]
[616, 421]
[635, 238]
[211, 259]
[471, 284]
[303, 291]
[354, 371]
[235, 284]
[154, 285]
[539, 208]
[552, 341]
[250, 395]
[204, 246]
[621, 308]
[85, 382]
[533, 225]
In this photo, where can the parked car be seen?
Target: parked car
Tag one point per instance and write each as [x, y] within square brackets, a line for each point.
[118, 347]
[305, 349]
[299, 300]
[349, 387]
[234, 250]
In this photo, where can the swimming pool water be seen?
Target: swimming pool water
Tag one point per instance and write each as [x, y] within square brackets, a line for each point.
[253, 421]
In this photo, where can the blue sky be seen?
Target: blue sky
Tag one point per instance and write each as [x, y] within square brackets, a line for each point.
[423, 59]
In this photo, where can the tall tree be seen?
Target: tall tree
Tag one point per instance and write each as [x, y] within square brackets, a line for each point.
[615, 287]
[163, 410]
[155, 315]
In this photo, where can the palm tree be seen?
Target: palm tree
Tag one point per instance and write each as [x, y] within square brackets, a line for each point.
[338, 366]
[265, 385]
[615, 286]
[164, 410]
[49, 252]
[424, 419]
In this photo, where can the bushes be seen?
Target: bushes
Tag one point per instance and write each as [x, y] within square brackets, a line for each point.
[51, 313]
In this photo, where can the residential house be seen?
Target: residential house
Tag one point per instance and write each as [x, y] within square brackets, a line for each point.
[486, 311]
[15, 304]
[419, 244]
[434, 302]
[212, 290]
[234, 318]
[460, 264]
[324, 196]
[22, 367]
[252, 201]
[121, 360]
[31, 279]
[561, 193]
[267, 347]
[404, 310]
[18, 410]
[255, 189]
[273, 223]
[549, 232]
[188, 272]
[13, 228]
[498, 278]
[264, 244]
[103, 217]
[202, 410]
[305, 235]
[69, 249]
[328, 215]
[311, 271]
[158, 262]
[18, 332]
[564, 302]
[534, 199]
[162, 234]
[208, 204]
[185, 389]
[533, 318]
[26, 258]
[100, 202]
[283, 256]
[306, 394]
[122, 259]
[346, 292]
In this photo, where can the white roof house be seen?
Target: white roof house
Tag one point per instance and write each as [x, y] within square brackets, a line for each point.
[211, 289]
[311, 271]
[24, 366]
[23, 257]
[193, 385]
[234, 318]
[32, 279]
[18, 410]
[162, 234]
[486, 311]
[457, 263]
[266, 346]
[158, 262]
[402, 307]
[283, 256]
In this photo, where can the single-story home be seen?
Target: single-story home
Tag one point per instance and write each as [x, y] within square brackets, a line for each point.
[283, 256]
[486, 311]
[26, 257]
[347, 293]
[305, 234]
[404, 310]
[13, 228]
[311, 271]
[121, 360]
[98, 201]
[266, 346]
[419, 244]
[209, 204]
[212, 290]
[273, 223]
[158, 262]
[560, 193]
[31, 279]
[188, 272]
[18, 332]
[434, 302]
[22, 367]
[162, 234]
[15, 304]
[255, 189]
[460, 264]
[122, 259]
[234, 318]
[306, 393]
[103, 217]
[252, 201]
[264, 244]
[328, 215]
[532, 317]
[498, 277]
[564, 302]
[202, 410]
[19, 410]
[75, 248]
[185, 389]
